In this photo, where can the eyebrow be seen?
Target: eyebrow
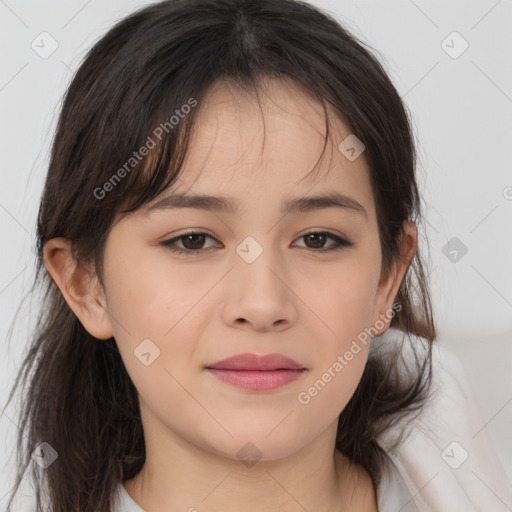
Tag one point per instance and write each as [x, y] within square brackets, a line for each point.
[229, 205]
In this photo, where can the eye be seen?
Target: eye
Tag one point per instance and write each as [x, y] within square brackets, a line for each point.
[318, 238]
[193, 242]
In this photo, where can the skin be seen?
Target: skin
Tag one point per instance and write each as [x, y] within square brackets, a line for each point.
[199, 309]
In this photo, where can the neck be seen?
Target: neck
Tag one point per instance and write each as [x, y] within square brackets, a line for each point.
[179, 475]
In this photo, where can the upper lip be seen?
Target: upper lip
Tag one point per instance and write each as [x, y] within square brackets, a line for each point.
[254, 362]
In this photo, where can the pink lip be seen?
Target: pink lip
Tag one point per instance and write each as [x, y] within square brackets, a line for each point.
[257, 373]
[255, 362]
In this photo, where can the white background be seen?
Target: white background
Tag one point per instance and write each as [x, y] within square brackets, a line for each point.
[462, 115]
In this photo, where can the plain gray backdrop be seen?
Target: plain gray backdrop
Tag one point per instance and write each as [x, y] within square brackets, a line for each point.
[458, 88]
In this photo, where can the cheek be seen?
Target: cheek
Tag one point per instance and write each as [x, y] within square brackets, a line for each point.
[341, 356]
[332, 384]
[151, 296]
[344, 307]
[149, 300]
[343, 298]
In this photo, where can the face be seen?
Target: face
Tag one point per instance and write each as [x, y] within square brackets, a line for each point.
[250, 279]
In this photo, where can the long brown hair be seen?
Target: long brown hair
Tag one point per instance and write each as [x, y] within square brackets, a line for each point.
[79, 397]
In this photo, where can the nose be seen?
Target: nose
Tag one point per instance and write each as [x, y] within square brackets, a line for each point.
[259, 295]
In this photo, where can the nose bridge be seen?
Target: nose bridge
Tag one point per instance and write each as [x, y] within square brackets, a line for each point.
[255, 259]
[260, 271]
[259, 295]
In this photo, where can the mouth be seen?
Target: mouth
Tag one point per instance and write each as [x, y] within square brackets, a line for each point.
[257, 373]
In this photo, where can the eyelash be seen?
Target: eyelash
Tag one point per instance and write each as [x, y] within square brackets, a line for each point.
[340, 243]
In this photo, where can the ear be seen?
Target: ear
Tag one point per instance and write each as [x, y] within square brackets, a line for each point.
[79, 286]
[389, 284]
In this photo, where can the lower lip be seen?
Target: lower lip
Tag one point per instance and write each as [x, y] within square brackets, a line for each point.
[257, 380]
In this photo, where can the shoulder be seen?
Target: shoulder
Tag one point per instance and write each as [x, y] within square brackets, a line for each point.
[446, 446]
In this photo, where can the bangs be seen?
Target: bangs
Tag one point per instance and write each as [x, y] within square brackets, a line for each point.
[158, 162]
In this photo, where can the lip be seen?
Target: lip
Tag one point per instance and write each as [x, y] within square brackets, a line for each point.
[257, 373]
[255, 362]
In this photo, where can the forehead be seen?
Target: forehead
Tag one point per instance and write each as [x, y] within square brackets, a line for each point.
[268, 143]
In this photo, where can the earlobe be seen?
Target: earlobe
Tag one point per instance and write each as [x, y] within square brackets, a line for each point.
[390, 283]
[79, 287]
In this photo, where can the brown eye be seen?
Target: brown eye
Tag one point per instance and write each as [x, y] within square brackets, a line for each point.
[193, 243]
[316, 239]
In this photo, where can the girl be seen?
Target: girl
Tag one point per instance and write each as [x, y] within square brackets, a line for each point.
[236, 312]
